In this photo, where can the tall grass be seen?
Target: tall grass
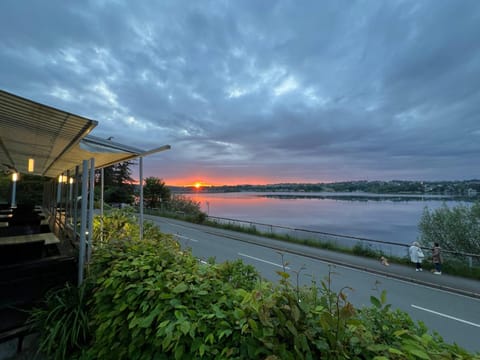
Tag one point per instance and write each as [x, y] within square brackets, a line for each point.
[62, 322]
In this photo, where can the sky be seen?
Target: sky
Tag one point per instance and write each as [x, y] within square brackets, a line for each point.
[257, 92]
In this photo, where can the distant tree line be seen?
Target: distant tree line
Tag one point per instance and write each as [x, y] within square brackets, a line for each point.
[455, 188]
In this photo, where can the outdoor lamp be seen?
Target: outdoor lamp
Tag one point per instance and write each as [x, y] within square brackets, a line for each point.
[14, 189]
[31, 164]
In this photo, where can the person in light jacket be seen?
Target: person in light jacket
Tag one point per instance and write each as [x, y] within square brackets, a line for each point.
[437, 258]
[416, 255]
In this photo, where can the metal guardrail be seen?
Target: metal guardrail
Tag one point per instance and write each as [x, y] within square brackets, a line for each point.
[387, 248]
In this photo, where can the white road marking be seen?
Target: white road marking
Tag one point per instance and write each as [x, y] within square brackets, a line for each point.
[185, 237]
[265, 261]
[445, 315]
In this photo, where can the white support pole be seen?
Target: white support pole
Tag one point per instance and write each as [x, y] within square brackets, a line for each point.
[141, 199]
[101, 203]
[70, 196]
[59, 189]
[150, 152]
[90, 208]
[75, 200]
[14, 191]
[83, 222]
[57, 210]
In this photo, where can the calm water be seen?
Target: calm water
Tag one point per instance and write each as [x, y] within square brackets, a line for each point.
[393, 219]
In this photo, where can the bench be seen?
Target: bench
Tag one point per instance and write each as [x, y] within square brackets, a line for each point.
[19, 252]
[23, 286]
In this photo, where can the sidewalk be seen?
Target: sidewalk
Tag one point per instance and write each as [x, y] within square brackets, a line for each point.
[456, 284]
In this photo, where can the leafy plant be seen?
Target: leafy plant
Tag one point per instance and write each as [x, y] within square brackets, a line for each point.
[62, 321]
[456, 228]
[152, 300]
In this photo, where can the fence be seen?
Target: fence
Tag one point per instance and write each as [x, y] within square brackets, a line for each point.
[360, 244]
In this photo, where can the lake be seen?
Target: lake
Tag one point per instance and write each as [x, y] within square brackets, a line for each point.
[392, 218]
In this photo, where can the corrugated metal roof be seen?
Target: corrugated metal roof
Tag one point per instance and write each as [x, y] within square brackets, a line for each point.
[51, 137]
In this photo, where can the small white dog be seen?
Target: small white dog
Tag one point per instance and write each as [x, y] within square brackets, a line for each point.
[384, 261]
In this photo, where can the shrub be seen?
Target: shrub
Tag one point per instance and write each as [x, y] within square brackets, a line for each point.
[62, 321]
[151, 300]
[456, 228]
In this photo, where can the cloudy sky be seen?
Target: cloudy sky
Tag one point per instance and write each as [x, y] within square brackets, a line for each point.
[261, 91]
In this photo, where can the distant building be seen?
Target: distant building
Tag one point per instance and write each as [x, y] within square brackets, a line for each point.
[471, 192]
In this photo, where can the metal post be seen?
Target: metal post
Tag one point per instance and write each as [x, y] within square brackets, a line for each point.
[83, 222]
[141, 199]
[70, 195]
[75, 205]
[90, 208]
[14, 191]
[63, 201]
[101, 203]
[59, 189]
[57, 203]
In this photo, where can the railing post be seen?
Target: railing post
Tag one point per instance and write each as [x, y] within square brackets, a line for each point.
[83, 223]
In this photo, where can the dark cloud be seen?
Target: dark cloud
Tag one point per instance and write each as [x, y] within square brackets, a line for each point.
[269, 91]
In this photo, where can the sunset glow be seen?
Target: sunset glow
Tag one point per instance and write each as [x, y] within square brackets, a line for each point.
[219, 181]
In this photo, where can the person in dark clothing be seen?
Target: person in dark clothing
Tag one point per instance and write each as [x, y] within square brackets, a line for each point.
[437, 258]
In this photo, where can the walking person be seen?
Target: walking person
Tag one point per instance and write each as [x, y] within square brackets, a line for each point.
[437, 258]
[416, 255]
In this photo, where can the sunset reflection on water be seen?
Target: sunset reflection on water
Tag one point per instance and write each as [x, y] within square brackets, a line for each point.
[387, 220]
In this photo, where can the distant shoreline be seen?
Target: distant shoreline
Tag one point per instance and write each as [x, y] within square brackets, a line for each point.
[342, 196]
[468, 190]
[357, 196]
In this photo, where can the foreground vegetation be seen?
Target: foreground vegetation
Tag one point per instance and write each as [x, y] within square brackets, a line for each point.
[153, 300]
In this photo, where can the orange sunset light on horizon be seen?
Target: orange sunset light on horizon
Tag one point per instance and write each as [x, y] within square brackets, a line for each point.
[216, 182]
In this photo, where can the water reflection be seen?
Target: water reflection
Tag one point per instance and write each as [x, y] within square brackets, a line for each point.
[379, 217]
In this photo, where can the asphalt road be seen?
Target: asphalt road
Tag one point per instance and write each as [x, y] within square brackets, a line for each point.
[454, 315]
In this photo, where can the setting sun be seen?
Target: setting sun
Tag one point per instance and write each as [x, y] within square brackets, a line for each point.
[198, 185]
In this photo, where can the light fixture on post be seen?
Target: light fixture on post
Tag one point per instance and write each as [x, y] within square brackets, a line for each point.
[31, 164]
[14, 189]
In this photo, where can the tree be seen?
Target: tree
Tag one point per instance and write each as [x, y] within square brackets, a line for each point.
[118, 183]
[155, 192]
[456, 228]
[117, 174]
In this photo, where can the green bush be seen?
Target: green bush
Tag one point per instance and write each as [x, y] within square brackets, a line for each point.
[455, 228]
[152, 300]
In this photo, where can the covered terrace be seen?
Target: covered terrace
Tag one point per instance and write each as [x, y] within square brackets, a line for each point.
[45, 245]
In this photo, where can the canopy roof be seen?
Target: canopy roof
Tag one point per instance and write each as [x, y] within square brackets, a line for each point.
[55, 139]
